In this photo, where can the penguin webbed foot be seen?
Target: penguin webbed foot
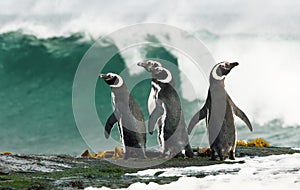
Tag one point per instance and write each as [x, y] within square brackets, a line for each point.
[212, 155]
[163, 155]
[179, 155]
[231, 155]
[141, 154]
[221, 156]
[189, 152]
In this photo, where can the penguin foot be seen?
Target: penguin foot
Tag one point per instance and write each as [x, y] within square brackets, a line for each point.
[212, 155]
[189, 152]
[142, 155]
[162, 155]
[231, 155]
[179, 155]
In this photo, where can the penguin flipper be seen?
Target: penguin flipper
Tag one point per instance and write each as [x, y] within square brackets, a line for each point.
[242, 116]
[199, 115]
[109, 124]
[135, 109]
[155, 116]
[238, 112]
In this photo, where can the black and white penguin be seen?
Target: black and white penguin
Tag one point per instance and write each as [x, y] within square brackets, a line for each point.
[166, 114]
[218, 111]
[128, 115]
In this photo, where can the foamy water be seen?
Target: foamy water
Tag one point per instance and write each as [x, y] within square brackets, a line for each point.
[266, 173]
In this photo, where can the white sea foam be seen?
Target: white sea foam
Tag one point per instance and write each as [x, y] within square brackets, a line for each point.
[53, 18]
[267, 173]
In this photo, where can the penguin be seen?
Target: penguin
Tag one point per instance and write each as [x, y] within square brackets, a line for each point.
[128, 115]
[167, 115]
[218, 111]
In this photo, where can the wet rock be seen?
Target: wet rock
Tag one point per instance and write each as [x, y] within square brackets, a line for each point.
[68, 172]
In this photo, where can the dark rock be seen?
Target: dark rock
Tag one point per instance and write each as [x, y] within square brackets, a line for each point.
[64, 171]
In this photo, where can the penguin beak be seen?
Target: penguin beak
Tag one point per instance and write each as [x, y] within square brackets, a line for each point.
[145, 65]
[233, 64]
[229, 66]
[141, 64]
[104, 76]
[226, 67]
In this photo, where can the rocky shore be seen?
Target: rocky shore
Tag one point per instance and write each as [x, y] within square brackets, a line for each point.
[68, 172]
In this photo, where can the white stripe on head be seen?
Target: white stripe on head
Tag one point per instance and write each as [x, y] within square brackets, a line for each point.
[169, 76]
[215, 74]
[120, 82]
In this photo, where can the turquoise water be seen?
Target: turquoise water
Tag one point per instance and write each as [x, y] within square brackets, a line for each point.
[36, 89]
[36, 78]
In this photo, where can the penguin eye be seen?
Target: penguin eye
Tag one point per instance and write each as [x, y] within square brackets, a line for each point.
[150, 62]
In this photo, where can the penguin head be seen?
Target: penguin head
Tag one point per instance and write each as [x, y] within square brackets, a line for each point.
[220, 70]
[148, 65]
[112, 79]
[161, 74]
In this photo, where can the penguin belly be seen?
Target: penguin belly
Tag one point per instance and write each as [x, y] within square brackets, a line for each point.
[133, 141]
[161, 130]
[172, 136]
[132, 131]
[226, 138]
[172, 128]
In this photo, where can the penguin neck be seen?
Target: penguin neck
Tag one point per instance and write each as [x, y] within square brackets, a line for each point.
[171, 83]
[216, 83]
[217, 87]
[161, 84]
[122, 90]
